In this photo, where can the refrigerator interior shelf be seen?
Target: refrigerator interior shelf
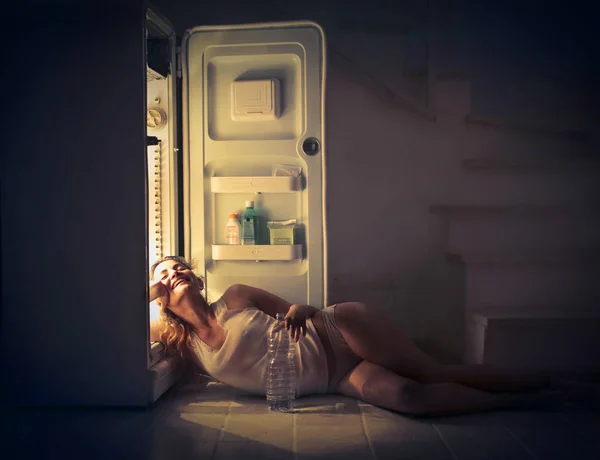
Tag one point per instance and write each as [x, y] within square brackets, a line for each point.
[257, 252]
[252, 184]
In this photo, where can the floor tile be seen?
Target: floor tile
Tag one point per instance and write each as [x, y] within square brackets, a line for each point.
[393, 436]
[209, 421]
[274, 429]
[250, 450]
[345, 440]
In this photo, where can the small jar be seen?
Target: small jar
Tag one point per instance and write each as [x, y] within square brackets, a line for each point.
[232, 229]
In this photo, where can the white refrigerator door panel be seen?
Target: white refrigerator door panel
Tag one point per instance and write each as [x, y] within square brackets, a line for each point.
[252, 97]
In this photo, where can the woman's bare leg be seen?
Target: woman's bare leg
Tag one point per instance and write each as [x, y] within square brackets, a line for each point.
[381, 387]
[374, 337]
[491, 378]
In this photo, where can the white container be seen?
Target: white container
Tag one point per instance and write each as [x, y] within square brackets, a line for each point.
[232, 229]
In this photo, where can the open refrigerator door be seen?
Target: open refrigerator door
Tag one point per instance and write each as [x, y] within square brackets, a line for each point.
[253, 131]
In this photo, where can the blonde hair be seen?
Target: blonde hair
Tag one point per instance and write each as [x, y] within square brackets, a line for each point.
[175, 333]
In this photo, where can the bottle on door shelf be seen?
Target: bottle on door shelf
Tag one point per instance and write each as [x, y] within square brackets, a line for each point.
[232, 229]
[249, 224]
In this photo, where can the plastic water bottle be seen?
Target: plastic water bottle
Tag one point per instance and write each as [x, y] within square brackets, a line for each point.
[281, 370]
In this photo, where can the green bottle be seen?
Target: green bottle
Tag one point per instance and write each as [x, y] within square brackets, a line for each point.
[249, 225]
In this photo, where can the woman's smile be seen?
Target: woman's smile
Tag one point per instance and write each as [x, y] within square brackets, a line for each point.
[178, 281]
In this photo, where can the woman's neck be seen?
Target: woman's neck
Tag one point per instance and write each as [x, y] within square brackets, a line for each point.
[196, 312]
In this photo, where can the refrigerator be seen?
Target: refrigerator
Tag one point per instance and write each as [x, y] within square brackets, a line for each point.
[252, 125]
[128, 144]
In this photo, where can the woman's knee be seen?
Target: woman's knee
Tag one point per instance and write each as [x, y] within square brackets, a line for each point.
[432, 372]
[400, 394]
[411, 398]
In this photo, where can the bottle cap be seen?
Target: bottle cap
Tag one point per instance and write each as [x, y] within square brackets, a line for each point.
[249, 204]
[233, 215]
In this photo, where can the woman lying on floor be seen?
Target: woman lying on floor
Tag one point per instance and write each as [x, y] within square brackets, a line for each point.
[349, 348]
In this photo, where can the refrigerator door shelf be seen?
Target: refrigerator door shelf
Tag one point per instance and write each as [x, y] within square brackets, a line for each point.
[253, 184]
[257, 252]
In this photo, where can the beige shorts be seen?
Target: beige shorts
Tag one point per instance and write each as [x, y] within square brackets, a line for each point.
[345, 359]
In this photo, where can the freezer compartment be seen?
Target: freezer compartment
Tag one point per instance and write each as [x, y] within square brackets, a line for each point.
[233, 66]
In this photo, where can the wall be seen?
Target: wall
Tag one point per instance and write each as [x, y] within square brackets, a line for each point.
[387, 166]
[534, 63]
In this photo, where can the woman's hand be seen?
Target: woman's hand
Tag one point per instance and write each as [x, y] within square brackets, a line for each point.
[160, 293]
[295, 320]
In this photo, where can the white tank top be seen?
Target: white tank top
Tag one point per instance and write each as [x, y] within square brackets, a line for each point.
[242, 360]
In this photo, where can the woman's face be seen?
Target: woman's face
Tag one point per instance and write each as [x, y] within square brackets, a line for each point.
[178, 279]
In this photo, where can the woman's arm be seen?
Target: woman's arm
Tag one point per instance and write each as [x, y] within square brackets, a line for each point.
[240, 296]
[158, 291]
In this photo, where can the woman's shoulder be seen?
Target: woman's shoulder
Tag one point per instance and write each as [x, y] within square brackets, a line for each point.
[227, 305]
[218, 304]
[237, 297]
[224, 311]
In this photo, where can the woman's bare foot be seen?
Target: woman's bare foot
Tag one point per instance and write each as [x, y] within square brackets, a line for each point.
[580, 393]
[545, 399]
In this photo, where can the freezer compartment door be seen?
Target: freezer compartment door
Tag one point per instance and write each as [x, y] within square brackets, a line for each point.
[253, 100]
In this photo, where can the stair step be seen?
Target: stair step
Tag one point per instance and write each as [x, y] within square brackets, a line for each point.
[528, 128]
[484, 314]
[552, 231]
[393, 95]
[533, 337]
[493, 165]
[517, 210]
[441, 75]
[380, 28]
[532, 283]
[589, 255]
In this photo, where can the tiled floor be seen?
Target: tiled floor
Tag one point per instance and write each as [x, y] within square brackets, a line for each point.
[211, 421]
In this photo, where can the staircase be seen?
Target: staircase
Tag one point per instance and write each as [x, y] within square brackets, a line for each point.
[532, 271]
[388, 47]
[524, 226]
[527, 231]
